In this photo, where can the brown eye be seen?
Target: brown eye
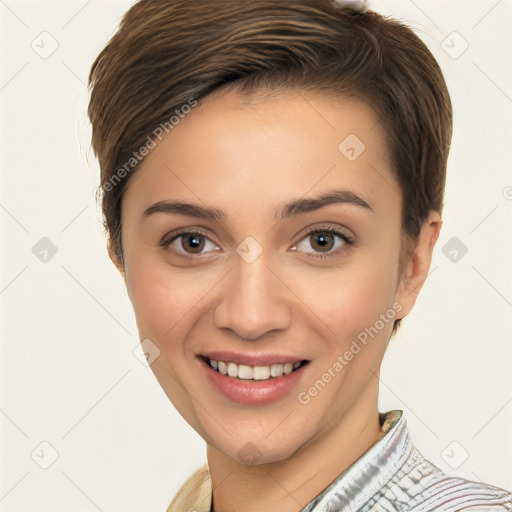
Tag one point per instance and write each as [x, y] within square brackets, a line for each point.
[193, 242]
[322, 241]
[189, 244]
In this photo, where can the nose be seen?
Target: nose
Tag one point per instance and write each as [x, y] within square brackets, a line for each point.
[253, 300]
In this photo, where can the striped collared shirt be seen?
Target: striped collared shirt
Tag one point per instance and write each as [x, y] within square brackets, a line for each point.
[391, 476]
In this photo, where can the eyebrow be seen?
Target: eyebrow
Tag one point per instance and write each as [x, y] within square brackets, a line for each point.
[296, 207]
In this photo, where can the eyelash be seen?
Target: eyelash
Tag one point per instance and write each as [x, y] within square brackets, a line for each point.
[330, 229]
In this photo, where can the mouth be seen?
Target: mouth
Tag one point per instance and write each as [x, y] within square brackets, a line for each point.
[254, 380]
[245, 372]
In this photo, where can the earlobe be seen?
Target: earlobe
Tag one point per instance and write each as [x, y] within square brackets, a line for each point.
[418, 263]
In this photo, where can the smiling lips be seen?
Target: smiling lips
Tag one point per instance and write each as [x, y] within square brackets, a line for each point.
[252, 367]
[253, 379]
[246, 372]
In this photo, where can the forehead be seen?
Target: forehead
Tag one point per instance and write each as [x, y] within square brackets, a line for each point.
[255, 151]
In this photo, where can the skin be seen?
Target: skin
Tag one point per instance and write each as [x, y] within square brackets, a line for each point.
[249, 159]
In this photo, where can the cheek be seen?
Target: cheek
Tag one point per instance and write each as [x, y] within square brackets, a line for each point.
[166, 305]
[350, 301]
[158, 301]
[165, 301]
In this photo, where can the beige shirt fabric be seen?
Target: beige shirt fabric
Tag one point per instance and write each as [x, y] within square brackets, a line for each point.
[195, 495]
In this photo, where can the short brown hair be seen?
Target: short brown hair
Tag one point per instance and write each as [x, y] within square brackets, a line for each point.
[169, 52]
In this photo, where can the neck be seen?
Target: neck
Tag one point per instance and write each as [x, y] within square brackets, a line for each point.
[289, 485]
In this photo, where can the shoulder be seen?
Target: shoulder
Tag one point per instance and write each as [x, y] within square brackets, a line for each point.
[431, 489]
[195, 494]
[454, 494]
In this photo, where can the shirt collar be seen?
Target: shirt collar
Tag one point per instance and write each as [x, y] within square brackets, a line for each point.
[372, 471]
[351, 489]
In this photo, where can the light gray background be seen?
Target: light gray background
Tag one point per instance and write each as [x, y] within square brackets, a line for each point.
[68, 373]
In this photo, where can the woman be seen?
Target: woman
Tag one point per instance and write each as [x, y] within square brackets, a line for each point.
[272, 188]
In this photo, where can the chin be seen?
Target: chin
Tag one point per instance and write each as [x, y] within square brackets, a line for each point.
[257, 444]
[255, 452]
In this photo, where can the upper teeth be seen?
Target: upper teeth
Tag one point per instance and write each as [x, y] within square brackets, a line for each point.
[243, 371]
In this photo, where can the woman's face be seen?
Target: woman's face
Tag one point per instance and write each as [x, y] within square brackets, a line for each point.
[268, 283]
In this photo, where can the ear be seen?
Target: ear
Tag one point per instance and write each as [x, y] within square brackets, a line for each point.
[417, 264]
[115, 260]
